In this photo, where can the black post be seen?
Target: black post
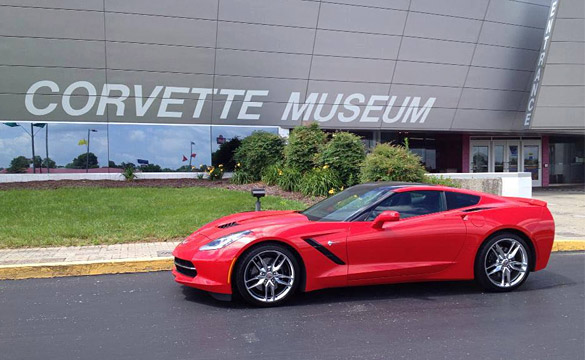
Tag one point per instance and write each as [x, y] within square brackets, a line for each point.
[87, 154]
[32, 136]
[47, 145]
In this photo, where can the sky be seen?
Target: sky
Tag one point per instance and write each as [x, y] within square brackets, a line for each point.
[163, 145]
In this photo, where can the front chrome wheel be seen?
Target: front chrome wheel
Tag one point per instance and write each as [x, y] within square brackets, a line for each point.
[269, 276]
[506, 263]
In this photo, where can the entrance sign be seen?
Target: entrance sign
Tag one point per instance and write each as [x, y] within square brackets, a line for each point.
[538, 73]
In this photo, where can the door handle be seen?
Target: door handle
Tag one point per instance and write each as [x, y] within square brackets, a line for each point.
[330, 242]
[465, 217]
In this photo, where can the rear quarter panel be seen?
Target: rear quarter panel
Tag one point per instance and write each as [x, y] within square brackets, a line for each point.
[535, 222]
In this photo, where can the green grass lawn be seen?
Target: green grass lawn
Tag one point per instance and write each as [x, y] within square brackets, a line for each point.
[84, 216]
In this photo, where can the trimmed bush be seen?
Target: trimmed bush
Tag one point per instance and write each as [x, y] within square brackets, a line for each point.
[304, 143]
[289, 179]
[320, 182]
[392, 163]
[344, 153]
[439, 180]
[258, 151]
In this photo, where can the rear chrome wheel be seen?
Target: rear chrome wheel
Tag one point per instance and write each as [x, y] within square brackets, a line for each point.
[506, 263]
[503, 263]
[268, 275]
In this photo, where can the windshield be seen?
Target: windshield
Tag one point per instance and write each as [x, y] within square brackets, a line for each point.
[345, 204]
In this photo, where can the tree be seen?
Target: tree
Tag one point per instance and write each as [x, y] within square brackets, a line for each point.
[42, 163]
[19, 165]
[112, 164]
[344, 153]
[225, 154]
[80, 162]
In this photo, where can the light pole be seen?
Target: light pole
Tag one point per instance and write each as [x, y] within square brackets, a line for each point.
[89, 131]
[191, 156]
[32, 136]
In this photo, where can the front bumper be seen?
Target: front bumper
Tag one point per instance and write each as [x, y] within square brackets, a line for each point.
[211, 270]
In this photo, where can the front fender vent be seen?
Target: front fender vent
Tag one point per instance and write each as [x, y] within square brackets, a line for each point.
[228, 225]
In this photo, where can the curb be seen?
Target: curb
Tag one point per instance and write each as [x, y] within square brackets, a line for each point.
[50, 270]
[568, 245]
[123, 266]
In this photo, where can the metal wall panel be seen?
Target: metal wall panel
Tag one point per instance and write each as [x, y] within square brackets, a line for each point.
[127, 56]
[18, 79]
[429, 74]
[199, 9]
[570, 30]
[341, 43]
[504, 58]
[48, 23]
[510, 36]
[265, 38]
[58, 4]
[442, 27]
[463, 8]
[436, 51]
[276, 12]
[252, 63]
[490, 99]
[351, 69]
[148, 29]
[517, 13]
[361, 19]
[51, 52]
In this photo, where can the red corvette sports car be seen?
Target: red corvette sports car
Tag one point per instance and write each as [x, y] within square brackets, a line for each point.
[377, 233]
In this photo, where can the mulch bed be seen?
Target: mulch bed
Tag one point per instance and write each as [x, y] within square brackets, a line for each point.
[170, 183]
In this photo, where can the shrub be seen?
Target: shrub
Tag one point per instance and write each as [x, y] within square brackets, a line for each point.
[439, 180]
[258, 151]
[320, 182]
[129, 173]
[289, 179]
[344, 153]
[271, 174]
[304, 143]
[215, 173]
[241, 177]
[392, 163]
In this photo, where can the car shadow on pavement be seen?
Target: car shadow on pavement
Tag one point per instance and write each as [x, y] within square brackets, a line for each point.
[422, 291]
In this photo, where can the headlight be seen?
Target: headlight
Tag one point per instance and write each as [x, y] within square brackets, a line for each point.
[225, 241]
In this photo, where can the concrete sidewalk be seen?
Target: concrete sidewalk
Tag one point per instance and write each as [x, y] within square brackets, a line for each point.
[567, 206]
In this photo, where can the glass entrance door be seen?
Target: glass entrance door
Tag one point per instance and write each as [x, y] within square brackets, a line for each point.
[507, 155]
[531, 160]
[480, 156]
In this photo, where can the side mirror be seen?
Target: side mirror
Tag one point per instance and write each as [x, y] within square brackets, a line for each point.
[384, 217]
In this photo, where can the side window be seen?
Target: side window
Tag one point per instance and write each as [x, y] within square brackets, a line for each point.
[457, 200]
[410, 203]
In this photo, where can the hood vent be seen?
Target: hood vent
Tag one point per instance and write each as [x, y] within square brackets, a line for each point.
[227, 225]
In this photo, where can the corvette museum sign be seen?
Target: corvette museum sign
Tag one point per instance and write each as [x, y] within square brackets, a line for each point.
[168, 102]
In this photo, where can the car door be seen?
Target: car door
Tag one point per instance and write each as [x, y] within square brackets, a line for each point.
[426, 239]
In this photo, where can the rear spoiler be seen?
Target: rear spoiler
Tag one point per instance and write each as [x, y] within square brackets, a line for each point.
[533, 202]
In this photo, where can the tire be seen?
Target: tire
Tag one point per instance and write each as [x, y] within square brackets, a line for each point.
[268, 275]
[503, 263]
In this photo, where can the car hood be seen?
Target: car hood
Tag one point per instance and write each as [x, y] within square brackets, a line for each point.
[260, 222]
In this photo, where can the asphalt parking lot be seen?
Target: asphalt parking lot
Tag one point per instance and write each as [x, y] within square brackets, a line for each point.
[148, 316]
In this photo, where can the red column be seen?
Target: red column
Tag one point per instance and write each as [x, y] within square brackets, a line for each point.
[545, 161]
[465, 153]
